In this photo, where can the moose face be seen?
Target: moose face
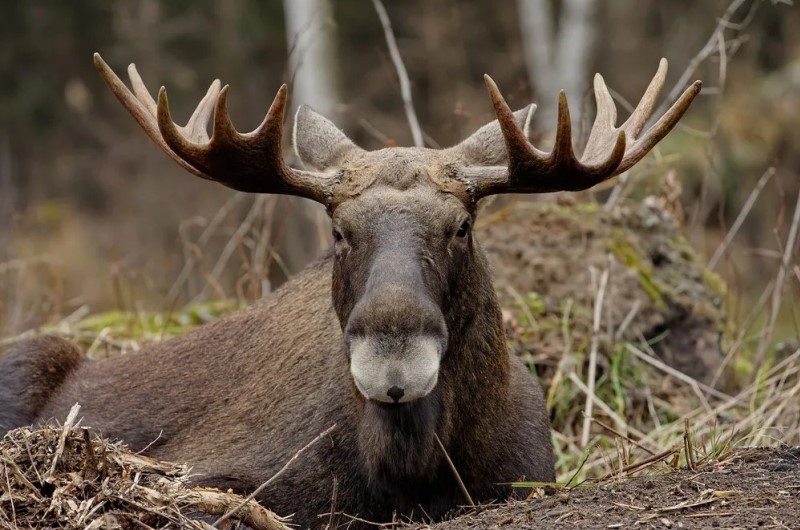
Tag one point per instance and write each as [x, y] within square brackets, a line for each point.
[403, 247]
[399, 248]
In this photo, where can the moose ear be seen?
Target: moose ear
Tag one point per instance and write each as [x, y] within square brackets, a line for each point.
[486, 146]
[319, 144]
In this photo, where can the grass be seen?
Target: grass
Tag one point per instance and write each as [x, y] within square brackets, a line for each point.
[687, 436]
[642, 408]
[119, 332]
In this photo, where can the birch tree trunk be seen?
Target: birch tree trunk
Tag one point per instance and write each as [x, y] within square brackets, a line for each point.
[557, 53]
[310, 34]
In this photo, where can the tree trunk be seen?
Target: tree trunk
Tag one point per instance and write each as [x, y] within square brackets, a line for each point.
[310, 33]
[557, 53]
[312, 58]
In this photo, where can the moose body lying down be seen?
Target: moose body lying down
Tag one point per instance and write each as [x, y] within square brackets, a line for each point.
[395, 335]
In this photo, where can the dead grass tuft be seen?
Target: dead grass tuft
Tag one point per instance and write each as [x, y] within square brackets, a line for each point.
[64, 477]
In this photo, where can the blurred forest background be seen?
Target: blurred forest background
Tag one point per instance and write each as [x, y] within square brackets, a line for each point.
[93, 216]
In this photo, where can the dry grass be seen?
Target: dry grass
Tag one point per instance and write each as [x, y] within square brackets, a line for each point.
[679, 422]
[63, 477]
[747, 488]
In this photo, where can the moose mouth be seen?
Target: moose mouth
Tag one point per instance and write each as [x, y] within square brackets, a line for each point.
[392, 407]
[405, 416]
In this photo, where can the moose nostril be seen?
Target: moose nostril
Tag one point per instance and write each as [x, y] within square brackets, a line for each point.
[395, 393]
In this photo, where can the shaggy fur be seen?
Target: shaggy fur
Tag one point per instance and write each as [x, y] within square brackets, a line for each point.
[237, 397]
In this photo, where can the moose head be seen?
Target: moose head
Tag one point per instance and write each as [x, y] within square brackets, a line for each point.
[402, 218]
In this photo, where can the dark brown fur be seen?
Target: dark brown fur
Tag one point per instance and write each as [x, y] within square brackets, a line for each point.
[29, 373]
[236, 398]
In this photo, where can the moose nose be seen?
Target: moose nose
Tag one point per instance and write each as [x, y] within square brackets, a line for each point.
[406, 372]
[395, 392]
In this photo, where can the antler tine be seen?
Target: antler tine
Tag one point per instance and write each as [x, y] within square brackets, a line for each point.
[269, 134]
[140, 90]
[224, 131]
[562, 153]
[604, 122]
[661, 128]
[186, 149]
[140, 110]
[251, 162]
[516, 141]
[197, 126]
[635, 122]
[609, 151]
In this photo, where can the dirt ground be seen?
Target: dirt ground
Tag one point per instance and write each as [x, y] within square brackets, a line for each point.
[755, 488]
[542, 256]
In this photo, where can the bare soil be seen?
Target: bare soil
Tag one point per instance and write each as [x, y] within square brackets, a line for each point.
[753, 488]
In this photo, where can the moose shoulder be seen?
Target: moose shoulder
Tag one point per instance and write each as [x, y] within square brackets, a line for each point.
[395, 335]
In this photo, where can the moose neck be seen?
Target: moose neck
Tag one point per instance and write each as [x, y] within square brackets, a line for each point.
[398, 443]
[476, 368]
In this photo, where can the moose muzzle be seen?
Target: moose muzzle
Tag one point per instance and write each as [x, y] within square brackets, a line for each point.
[395, 369]
[396, 337]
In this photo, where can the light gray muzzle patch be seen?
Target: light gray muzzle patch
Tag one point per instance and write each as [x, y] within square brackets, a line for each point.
[381, 374]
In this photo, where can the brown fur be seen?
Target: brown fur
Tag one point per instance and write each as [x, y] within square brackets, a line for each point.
[29, 373]
[236, 398]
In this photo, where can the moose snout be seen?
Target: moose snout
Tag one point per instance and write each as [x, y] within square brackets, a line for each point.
[396, 334]
[395, 371]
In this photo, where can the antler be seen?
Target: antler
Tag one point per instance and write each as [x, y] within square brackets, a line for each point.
[609, 151]
[251, 162]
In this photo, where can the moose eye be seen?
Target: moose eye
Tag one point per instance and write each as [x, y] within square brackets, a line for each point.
[337, 236]
[463, 230]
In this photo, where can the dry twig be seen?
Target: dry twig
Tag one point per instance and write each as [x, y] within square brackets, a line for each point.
[737, 224]
[592, 375]
[707, 50]
[460, 482]
[70, 421]
[788, 250]
[621, 435]
[402, 74]
[274, 477]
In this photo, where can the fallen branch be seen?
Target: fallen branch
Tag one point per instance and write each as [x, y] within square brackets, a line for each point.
[213, 502]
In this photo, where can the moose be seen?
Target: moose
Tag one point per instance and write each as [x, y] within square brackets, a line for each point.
[395, 334]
